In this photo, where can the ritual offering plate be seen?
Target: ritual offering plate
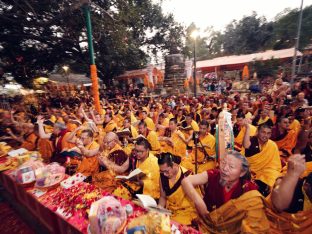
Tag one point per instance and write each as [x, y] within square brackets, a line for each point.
[8, 164]
[49, 182]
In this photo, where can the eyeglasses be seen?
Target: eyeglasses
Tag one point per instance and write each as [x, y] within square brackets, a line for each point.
[107, 142]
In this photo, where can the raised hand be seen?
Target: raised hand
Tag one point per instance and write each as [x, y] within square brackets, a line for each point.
[40, 119]
[296, 165]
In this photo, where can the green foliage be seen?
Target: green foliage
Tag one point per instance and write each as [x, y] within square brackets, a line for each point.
[248, 35]
[208, 44]
[37, 37]
[285, 29]
[253, 34]
[266, 68]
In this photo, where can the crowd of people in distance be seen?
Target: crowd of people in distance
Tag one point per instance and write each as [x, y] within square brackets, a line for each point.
[254, 188]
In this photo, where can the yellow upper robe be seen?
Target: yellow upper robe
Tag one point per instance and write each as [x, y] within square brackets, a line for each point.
[165, 123]
[151, 181]
[238, 140]
[178, 148]
[110, 126]
[246, 214]
[89, 165]
[182, 208]
[149, 123]
[187, 133]
[153, 140]
[209, 142]
[267, 164]
[295, 125]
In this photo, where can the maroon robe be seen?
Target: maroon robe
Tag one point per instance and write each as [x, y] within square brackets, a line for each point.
[214, 192]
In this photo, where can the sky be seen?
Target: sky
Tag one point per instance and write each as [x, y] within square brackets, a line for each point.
[219, 13]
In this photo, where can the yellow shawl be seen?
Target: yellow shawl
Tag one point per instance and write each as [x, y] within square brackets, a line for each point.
[267, 164]
[238, 141]
[245, 214]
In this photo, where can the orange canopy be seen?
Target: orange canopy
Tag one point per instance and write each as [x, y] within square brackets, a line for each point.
[143, 74]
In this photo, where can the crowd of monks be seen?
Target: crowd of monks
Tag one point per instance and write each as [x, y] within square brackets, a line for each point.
[261, 185]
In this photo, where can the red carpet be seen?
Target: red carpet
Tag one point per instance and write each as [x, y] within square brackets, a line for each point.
[10, 221]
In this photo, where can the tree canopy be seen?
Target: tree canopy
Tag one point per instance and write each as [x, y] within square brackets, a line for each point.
[253, 34]
[40, 36]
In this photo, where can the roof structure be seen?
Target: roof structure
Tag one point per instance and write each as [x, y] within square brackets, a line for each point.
[237, 62]
[72, 78]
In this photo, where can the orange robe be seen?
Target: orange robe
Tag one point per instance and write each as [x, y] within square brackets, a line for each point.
[106, 179]
[89, 165]
[31, 142]
[45, 148]
[287, 143]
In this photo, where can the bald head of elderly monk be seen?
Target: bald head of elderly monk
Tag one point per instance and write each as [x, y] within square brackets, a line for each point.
[110, 140]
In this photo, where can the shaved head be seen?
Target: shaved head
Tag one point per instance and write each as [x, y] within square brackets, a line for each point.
[111, 136]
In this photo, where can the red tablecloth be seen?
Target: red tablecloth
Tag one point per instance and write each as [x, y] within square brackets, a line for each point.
[44, 208]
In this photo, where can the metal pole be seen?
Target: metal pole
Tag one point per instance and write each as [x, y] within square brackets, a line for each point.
[293, 71]
[67, 78]
[194, 72]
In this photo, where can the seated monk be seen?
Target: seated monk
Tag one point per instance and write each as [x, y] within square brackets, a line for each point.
[128, 139]
[151, 137]
[231, 203]
[284, 138]
[109, 124]
[112, 154]
[163, 123]
[88, 149]
[59, 138]
[144, 160]
[173, 142]
[239, 130]
[188, 127]
[263, 157]
[206, 149]
[291, 199]
[147, 120]
[172, 195]
[28, 139]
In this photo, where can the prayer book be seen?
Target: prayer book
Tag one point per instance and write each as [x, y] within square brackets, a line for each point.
[136, 172]
[17, 152]
[124, 132]
[187, 128]
[149, 203]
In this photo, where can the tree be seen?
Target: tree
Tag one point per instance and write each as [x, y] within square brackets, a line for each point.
[286, 26]
[266, 68]
[37, 37]
[207, 43]
[248, 35]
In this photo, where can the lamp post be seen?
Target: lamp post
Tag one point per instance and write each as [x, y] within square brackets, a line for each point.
[293, 70]
[194, 35]
[66, 68]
